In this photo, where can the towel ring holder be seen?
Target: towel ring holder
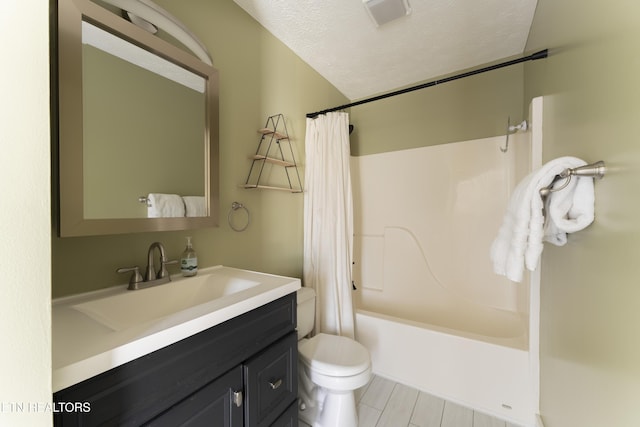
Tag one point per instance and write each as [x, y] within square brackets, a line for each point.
[234, 207]
[595, 170]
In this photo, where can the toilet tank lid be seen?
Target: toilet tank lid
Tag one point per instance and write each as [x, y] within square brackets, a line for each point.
[305, 294]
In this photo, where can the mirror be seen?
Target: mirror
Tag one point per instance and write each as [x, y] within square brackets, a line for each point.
[138, 128]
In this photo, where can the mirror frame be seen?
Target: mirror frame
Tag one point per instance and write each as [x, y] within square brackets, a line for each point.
[71, 221]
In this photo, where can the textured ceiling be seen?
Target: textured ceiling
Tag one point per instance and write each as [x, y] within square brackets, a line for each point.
[340, 41]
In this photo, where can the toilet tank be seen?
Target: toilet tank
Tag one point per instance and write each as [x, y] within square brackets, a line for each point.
[306, 311]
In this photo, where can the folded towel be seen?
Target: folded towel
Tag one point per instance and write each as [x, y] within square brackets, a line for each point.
[519, 241]
[569, 210]
[195, 205]
[165, 206]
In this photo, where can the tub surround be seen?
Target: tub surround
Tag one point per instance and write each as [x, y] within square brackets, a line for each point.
[423, 255]
[439, 306]
[85, 345]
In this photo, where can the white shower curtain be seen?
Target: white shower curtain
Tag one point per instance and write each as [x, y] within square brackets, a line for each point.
[328, 222]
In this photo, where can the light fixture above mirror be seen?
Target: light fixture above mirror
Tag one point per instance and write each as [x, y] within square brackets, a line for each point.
[142, 23]
[141, 11]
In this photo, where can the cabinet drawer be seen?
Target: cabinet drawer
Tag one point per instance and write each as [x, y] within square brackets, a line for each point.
[213, 405]
[271, 382]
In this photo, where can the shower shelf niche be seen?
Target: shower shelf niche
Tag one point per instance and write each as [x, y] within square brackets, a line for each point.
[270, 151]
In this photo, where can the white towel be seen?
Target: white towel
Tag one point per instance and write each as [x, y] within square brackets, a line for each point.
[195, 205]
[569, 210]
[165, 206]
[519, 241]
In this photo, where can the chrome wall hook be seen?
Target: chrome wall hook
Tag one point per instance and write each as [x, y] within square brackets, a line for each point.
[523, 126]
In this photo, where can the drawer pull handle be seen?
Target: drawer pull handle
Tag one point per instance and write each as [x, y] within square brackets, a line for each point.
[275, 384]
[237, 398]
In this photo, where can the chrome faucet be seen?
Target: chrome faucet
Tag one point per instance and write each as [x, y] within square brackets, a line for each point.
[150, 273]
[151, 278]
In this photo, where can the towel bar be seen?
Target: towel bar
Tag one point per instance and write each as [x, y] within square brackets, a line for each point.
[595, 170]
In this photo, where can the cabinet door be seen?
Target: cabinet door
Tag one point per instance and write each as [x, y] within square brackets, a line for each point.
[212, 405]
[289, 418]
[271, 382]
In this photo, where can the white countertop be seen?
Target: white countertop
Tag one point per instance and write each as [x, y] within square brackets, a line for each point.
[84, 347]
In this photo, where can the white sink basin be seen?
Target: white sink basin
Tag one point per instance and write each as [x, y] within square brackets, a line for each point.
[132, 308]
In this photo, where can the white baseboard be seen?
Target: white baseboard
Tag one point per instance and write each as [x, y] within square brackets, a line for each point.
[539, 422]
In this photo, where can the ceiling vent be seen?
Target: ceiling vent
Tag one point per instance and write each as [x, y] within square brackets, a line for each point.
[383, 11]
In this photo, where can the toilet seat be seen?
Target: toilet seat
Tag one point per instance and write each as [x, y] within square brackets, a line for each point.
[334, 356]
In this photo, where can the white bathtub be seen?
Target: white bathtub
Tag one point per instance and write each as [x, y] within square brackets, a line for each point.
[466, 368]
[429, 307]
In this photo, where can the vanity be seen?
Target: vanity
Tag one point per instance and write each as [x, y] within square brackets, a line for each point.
[219, 348]
[137, 115]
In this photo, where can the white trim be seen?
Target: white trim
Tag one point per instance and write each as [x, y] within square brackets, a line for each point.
[535, 119]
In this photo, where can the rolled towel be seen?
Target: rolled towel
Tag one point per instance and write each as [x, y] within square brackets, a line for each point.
[519, 241]
[165, 206]
[195, 206]
[569, 210]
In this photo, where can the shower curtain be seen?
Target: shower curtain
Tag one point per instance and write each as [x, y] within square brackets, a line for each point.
[328, 222]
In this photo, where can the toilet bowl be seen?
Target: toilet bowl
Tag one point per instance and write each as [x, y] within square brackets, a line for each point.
[330, 368]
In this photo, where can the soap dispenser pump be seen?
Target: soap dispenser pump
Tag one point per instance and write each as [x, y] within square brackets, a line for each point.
[189, 260]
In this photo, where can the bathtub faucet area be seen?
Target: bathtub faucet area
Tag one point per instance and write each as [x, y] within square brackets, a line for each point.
[151, 278]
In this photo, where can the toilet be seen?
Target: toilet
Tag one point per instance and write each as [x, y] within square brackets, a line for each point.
[330, 368]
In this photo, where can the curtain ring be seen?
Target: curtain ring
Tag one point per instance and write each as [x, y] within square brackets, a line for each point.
[234, 207]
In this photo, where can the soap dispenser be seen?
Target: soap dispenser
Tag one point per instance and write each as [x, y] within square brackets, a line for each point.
[189, 260]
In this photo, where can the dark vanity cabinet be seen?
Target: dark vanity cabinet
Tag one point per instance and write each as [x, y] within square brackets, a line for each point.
[242, 372]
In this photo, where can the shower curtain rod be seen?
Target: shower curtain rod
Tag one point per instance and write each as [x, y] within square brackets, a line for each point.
[538, 55]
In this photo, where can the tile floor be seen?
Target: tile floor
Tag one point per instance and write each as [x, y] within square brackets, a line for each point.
[384, 403]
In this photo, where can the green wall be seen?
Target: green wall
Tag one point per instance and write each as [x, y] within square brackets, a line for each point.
[590, 315]
[259, 77]
[470, 108]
